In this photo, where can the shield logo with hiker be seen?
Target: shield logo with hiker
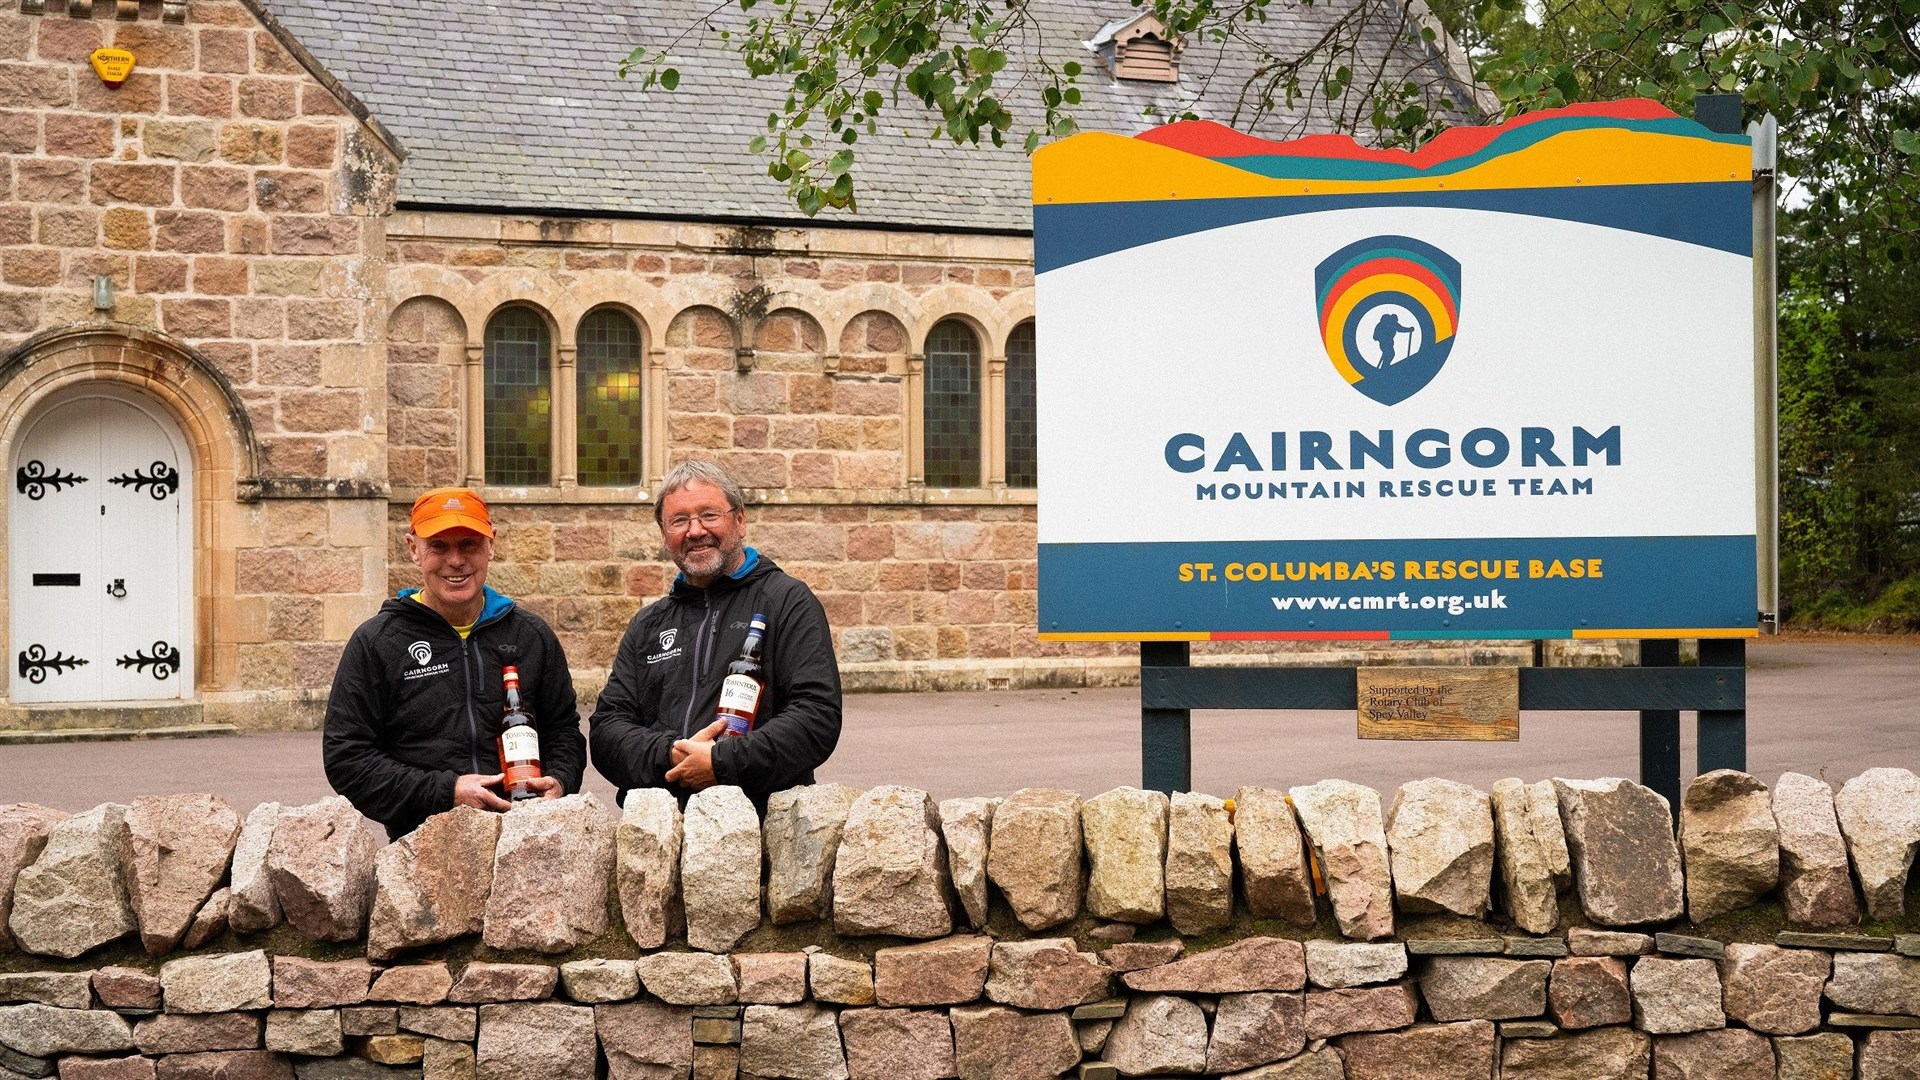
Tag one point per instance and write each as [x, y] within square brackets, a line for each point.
[1389, 307]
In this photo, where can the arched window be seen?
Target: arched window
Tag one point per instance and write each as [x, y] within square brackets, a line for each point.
[1022, 455]
[952, 408]
[608, 374]
[518, 399]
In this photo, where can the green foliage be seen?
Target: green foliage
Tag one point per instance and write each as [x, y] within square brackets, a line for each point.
[846, 63]
[1849, 427]
[1822, 432]
[1839, 74]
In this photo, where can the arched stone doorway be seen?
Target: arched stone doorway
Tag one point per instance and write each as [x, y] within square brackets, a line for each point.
[169, 457]
[100, 545]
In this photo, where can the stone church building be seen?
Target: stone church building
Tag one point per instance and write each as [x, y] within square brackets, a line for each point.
[312, 257]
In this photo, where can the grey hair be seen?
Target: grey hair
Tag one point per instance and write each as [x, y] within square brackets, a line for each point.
[705, 472]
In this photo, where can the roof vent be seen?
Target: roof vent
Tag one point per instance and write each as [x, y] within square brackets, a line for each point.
[1138, 48]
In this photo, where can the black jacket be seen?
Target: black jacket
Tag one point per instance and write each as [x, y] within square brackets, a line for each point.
[414, 707]
[665, 685]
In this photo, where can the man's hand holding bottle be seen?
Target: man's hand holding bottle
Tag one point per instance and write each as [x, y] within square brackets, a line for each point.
[477, 790]
[740, 696]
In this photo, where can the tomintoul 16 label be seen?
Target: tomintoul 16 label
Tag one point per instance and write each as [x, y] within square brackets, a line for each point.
[739, 694]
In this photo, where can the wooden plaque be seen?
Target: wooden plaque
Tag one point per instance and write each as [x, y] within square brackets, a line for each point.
[1480, 704]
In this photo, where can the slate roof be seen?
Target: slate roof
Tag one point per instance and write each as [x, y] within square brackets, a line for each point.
[516, 106]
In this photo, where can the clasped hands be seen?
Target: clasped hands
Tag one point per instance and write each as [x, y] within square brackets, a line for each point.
[693, 758]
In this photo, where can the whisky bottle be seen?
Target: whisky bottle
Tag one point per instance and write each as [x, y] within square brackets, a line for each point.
[519, 742]
[745, 683]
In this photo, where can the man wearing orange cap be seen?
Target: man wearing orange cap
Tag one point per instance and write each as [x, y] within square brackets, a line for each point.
[414, 716]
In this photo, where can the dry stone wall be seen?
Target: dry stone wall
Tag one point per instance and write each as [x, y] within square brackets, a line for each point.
[1556, 930]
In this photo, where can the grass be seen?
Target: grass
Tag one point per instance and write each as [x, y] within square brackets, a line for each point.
[1896, 610]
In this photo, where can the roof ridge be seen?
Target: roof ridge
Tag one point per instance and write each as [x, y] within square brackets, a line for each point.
[318, 70]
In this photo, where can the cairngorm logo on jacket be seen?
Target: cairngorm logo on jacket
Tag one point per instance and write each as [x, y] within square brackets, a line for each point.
[667, 649]
[422, 653]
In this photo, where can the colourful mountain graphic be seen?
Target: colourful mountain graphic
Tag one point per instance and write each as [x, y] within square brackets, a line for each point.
[1592, 145]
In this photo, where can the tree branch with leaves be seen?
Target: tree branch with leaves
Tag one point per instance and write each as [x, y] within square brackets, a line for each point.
[1840, 75]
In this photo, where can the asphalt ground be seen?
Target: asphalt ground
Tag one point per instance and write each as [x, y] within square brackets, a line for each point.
[1832, 708]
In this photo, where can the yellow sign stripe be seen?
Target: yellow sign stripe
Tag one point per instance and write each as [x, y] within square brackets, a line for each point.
[1134, 636]
[1685, 632]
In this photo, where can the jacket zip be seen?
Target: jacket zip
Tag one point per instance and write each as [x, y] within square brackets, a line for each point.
[700, 651]
[473, 673]
[473, 724]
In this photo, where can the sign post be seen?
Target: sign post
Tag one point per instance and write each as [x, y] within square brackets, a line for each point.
[1499, 388]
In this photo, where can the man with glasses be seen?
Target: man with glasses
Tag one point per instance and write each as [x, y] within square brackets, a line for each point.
[654, 725]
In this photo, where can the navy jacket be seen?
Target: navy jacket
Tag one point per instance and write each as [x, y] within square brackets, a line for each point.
[665, 684]
[414, 707]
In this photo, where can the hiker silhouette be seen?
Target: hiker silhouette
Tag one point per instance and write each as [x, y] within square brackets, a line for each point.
[1387, 333]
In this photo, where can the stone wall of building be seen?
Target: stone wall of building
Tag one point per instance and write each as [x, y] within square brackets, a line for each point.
[233, 200]
[809, 396]
[1298, 934]
[324, 357]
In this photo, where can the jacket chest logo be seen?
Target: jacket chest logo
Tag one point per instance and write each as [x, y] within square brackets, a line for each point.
[424, 667]
[667, 650]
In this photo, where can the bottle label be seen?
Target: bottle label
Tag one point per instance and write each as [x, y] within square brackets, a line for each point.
[520, 743]
[740, 694]
[737, 726]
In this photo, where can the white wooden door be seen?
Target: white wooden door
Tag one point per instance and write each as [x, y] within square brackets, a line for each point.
[99, 544]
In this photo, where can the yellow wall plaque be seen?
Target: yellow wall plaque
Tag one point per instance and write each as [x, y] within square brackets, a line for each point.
[112, 65]
[1480, 704]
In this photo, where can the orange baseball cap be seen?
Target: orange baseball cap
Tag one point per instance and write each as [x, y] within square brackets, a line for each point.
[450, 508]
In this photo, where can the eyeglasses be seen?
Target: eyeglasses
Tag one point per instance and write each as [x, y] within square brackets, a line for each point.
[708, 519]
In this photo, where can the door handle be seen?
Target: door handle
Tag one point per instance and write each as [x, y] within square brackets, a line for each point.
[117, 587]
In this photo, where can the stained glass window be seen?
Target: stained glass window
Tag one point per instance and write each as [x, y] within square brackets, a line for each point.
[519, 399]
[952, 397]
[1022, 456]
[608, 372]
